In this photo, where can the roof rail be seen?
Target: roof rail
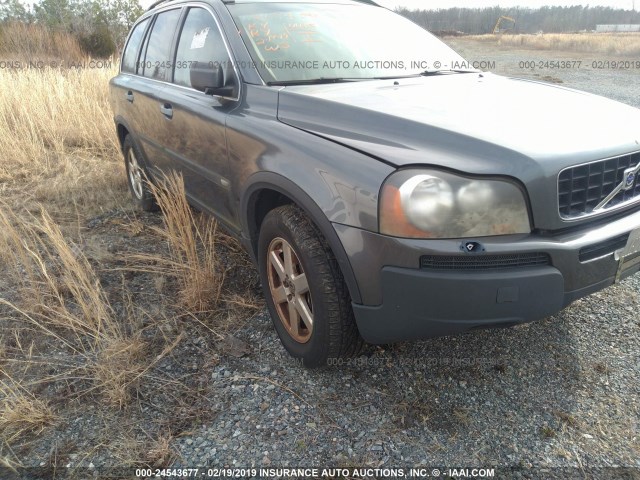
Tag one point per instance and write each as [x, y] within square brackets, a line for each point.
[156, 3]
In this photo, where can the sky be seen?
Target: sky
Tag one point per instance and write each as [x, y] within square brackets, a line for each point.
[435, 4]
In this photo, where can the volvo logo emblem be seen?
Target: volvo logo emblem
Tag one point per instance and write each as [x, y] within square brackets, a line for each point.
[629, 178]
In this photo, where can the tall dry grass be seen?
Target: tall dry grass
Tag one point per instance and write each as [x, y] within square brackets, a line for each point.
[623, 44]
[191, 239]
[56, 283]
[56, 135]
[59, 295]
[85, 339]
[23, 42]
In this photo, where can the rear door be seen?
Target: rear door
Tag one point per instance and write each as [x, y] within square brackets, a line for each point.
[153, 71]
[196, 138]
[126, 84]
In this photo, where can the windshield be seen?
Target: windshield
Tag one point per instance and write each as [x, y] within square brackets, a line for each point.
[291, 42]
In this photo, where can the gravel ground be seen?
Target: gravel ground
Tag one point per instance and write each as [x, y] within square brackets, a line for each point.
[562, 392]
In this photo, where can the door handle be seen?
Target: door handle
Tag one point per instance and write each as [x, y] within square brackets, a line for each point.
[129, 96]
[166, 110]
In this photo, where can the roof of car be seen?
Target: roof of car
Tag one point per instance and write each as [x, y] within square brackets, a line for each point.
[368, 2]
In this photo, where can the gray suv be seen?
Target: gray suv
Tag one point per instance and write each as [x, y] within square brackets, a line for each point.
[386, 190]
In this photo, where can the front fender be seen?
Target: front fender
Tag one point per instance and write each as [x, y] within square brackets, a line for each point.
[271, 181]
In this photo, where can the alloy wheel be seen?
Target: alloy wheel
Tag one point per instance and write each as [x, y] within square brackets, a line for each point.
[135, 174]
[290, 290]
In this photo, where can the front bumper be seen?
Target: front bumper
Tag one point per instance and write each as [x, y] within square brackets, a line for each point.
[402, 301]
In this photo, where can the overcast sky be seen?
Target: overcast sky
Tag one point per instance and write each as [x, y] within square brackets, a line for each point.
[435, 4]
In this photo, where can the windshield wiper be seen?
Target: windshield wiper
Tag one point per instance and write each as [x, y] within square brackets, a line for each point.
[325, 80]
[313, 81]
[427, 73]
[396, 77]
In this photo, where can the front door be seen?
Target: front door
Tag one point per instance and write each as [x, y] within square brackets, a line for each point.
[197, 137]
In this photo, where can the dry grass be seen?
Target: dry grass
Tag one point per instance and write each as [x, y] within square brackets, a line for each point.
[100, 349]
[20, 411]
[58, 287]
[60, 295]
[191, 239]
[118, 367]
[10, 464]
[624, 44]
[56, 127]
[74, 333]
[56, 134]
[31, 42]
[161, 453]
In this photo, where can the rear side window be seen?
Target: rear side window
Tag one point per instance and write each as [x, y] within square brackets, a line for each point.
[130, 56]
[158, 58]
[200, 42]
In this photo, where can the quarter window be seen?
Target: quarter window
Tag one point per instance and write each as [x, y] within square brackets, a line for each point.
[158, 58]
[200, 44]
[130, 56]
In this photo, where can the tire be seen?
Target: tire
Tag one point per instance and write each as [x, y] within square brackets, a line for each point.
[307, 297]
[137, 177]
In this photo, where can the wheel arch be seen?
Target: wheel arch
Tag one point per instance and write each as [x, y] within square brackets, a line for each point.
[122, 133]
[122, 130]
[270, 190]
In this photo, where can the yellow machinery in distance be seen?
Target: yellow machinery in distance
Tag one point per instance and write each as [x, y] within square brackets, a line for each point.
[503, 18]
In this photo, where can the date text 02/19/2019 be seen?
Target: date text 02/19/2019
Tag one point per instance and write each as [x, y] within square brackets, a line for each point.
[579, 64]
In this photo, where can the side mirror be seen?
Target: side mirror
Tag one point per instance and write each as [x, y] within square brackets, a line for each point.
[209, 79]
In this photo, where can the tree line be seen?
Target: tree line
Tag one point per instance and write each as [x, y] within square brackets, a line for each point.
[528, 20]
[101, 26]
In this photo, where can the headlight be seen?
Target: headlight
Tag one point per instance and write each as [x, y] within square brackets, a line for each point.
[428, 201]
[434, 204]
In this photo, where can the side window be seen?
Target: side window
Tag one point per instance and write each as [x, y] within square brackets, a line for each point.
[200, 41]
[158, 58]
[130, 56]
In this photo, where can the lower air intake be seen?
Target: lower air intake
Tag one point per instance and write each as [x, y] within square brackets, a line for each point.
[484, 262]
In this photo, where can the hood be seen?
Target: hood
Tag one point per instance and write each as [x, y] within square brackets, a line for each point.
[477, 123]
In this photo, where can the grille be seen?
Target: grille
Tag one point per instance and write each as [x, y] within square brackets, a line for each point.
[483, 262]
[582, 188]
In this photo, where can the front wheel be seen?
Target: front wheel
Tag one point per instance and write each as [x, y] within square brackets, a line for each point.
[306, 294]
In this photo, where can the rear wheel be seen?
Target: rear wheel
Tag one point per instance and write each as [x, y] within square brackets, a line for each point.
[305, 290]
[137, 177]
